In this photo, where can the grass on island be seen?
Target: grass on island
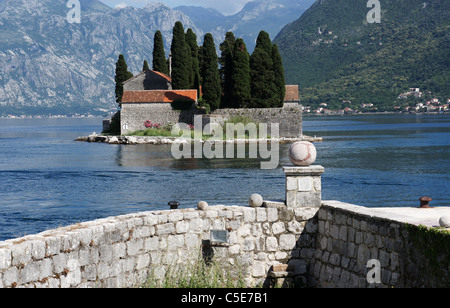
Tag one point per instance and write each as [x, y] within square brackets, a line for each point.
[153, 132]
[167, 131]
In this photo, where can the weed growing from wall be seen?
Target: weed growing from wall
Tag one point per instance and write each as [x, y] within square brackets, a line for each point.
[200, 273]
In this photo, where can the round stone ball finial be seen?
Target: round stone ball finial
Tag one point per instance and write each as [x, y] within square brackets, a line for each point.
[202, 206]
[444, 221]
[302, 153]
[256, 200]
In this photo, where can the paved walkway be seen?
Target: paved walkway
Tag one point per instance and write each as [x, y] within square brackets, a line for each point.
[415, 216]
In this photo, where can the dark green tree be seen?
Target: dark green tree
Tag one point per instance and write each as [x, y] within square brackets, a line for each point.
[267, 74]
[122, 74]
[263, 89]
[278, 70]
[181, 64]
[194, 77]
[145, 67]
[210, 73]
[225, 70]
[200, 62]
[263, 41]
[240, 76]
[159, 56]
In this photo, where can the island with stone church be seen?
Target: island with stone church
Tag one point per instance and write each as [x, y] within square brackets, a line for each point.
[201, 90]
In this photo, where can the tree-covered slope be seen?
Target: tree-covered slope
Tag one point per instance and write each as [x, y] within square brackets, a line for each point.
[334, 54]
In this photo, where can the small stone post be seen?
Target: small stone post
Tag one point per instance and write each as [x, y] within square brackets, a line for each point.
[303, 181]
[303, 186]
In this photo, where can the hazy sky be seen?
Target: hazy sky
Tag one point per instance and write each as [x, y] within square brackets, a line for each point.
[227, 7]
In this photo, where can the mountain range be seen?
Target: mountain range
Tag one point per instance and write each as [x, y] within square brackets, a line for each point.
[337, 56]
[270, 16]
[48, 65]
[331, 50]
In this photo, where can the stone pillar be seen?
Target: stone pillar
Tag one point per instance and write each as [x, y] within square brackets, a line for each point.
[303, 186]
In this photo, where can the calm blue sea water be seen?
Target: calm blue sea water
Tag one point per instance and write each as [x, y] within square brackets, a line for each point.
[47, 180]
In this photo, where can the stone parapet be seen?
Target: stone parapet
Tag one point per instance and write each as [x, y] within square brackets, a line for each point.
[124, 251]
[336, 245]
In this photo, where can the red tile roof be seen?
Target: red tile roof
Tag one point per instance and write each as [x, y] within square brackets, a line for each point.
[163, 75]
[291, 93]
[159, 96]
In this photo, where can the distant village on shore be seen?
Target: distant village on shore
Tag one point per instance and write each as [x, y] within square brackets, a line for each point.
[414, 101]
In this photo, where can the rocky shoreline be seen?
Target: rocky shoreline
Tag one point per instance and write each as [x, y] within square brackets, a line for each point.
[134, 140]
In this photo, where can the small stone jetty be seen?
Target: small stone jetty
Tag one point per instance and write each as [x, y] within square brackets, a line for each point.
[134, 140]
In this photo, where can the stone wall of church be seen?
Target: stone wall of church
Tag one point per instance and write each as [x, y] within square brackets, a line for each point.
[134, 115]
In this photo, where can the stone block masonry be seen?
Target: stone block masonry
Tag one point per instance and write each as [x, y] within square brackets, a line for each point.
[303, 186]
[349, 236]
[134, 115]
[289, 118]
[123, 251]
[328, 246]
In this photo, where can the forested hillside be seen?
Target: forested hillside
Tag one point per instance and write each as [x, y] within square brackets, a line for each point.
[336, 55]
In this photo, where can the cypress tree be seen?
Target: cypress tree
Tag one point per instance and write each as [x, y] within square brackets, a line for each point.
[267, 73]
[240, 76]
[159, 56]
[280, 82]
[181, 64]
[263, 90]
[145, 66]
[263, 41]
[210, 73]
[122, 74]
[226, 67]
[200, 63]
[191, 40]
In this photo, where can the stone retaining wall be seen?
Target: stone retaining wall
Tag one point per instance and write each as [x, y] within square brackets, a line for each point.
[350, 236]
[330, 247]
[289, 118]
[122, 251]
[134, 115]
[326, 247]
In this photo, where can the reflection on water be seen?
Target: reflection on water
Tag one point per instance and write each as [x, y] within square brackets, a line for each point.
[161, 157]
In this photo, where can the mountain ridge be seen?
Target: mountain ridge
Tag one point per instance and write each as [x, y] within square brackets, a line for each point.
[50, 65]
[270, 16]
